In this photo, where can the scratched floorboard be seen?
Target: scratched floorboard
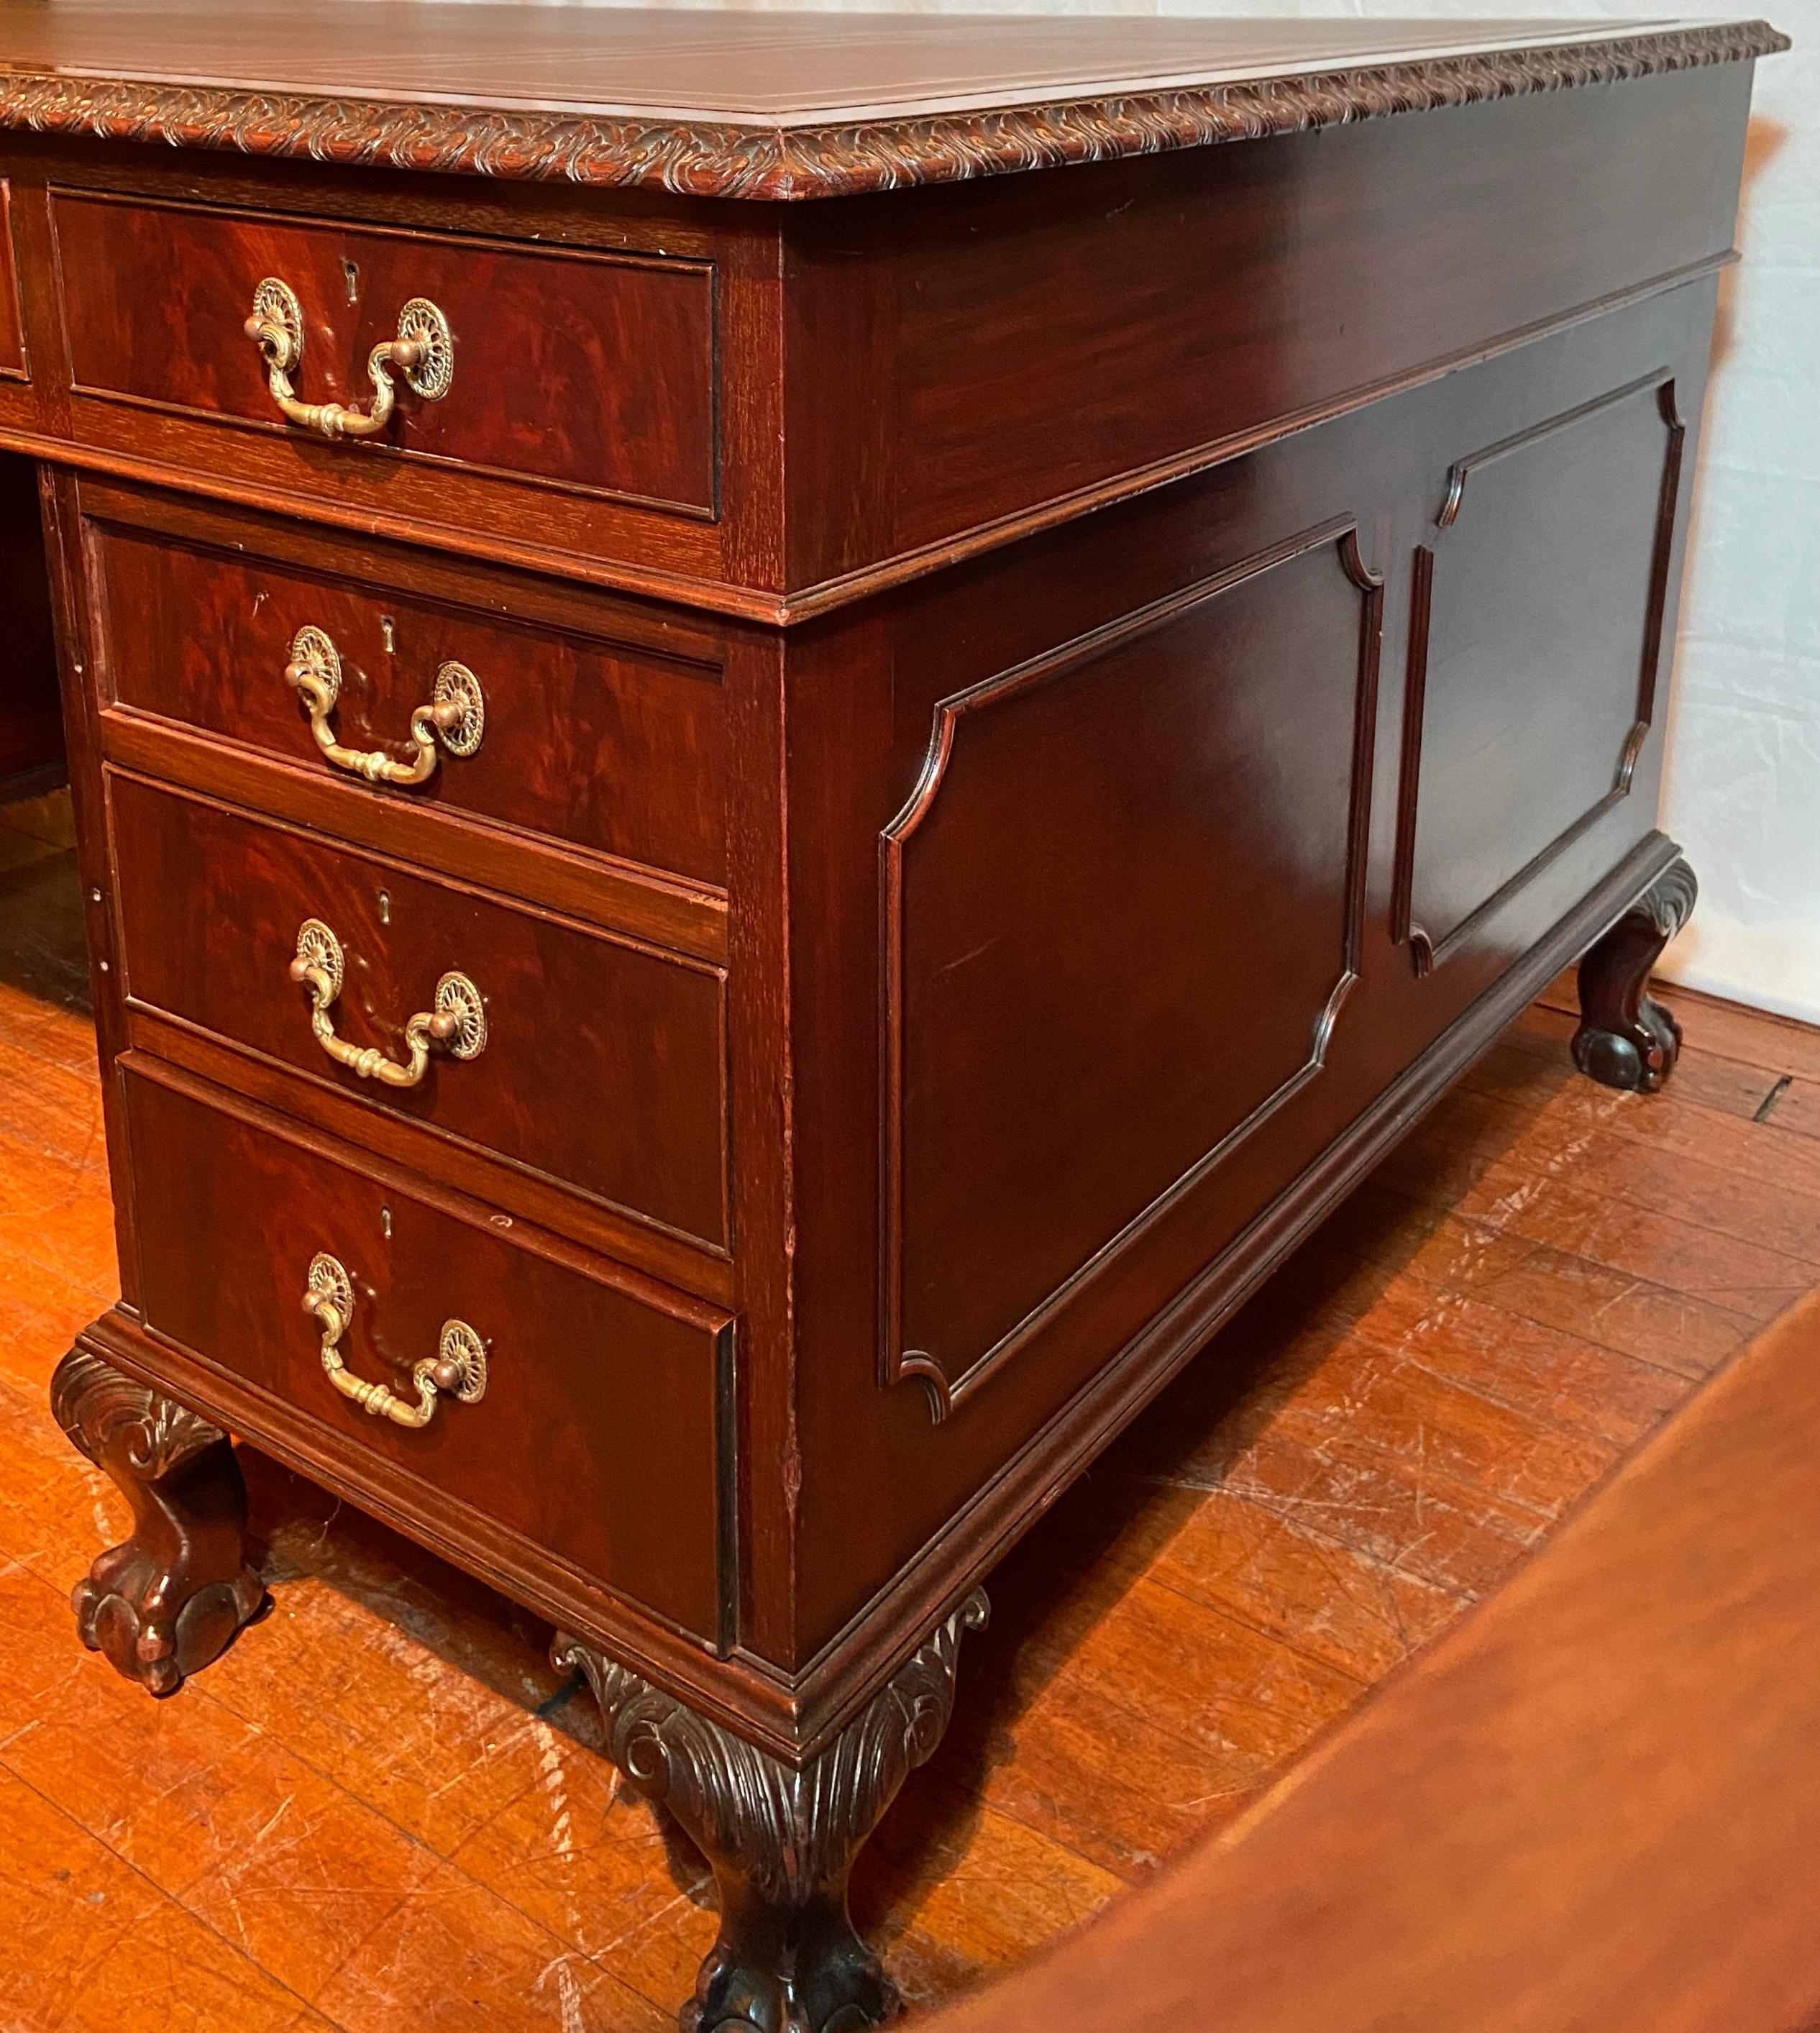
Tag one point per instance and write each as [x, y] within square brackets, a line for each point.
[384, 1810]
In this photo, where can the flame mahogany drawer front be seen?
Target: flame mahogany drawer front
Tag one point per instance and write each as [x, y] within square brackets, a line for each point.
[595, 1438]
[592, 373]
[596, 742]
[603, 1061]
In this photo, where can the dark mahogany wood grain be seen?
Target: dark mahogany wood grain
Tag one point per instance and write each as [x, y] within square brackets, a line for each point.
[1056, 539]
[704, 1269]
[975, 382]
[865, 699]
[604, 1062]
[912, 378]
[592, 372]
[687, 917]
[780, 107]
[790, 65]
[598, 743]
[1146, 796]
[597, 1438]
[1559, 536]
[856, 1511]
[482, 511]
[985, 684]
[1586, 1806]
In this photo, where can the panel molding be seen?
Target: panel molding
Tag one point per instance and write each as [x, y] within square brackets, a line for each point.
[898, 1363]
[1427, 952]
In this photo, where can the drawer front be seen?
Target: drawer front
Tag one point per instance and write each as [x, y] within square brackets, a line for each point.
[597, 743]
[591, 372]
[596, 1437]
[603, 1065]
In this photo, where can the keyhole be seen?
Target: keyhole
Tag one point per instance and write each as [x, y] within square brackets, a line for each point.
[385, 907]
[388, 635]
[385, 1222]
[351, 274]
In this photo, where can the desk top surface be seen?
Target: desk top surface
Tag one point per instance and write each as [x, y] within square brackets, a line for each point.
[769, 105]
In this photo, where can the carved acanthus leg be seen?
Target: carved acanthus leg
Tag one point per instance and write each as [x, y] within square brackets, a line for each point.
[169, 1601]
[782, 1842]
[1626, 1038]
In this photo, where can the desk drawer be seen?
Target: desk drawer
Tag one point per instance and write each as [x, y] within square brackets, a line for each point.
[603, 1062]
[593, 374]
[577, 736]
[596, 1436]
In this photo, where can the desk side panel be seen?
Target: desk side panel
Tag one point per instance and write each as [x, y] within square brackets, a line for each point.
[1102, 854]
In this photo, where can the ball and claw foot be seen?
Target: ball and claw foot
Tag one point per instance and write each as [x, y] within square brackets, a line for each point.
[782, 1840]
[173, 1597]
[1627, 1038]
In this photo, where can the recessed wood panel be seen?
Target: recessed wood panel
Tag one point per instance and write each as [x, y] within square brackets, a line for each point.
[597, 1437]
[592, 373]
[1121, 911]
[1537, 632]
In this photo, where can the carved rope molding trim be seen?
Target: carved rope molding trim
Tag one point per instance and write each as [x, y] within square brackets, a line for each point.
[712, 160]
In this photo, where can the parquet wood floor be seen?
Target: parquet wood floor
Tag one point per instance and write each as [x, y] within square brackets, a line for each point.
[384, 1810]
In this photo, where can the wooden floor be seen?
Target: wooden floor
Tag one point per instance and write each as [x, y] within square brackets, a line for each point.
[384, 1810]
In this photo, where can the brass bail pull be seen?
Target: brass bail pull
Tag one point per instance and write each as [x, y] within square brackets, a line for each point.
[457, 1369]
[456, 1023]
[423, 353]
[455, 716]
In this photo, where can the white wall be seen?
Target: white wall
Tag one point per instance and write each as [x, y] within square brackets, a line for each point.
[1743, 790]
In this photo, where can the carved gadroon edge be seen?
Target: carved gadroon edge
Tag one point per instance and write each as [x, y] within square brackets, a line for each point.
[791, 1828]
[709, 159]
[93, 1403]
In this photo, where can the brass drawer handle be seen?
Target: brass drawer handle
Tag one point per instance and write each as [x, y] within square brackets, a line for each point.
[457, 1021]
[423, 353]
[456, 713]
[458, 1366]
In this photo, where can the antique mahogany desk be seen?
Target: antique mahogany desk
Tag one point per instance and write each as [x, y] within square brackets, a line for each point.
[790, 732]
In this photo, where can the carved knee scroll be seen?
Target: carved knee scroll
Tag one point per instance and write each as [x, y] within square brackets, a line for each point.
[171, 1598]
[782, 1841]
[1626, 1038]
